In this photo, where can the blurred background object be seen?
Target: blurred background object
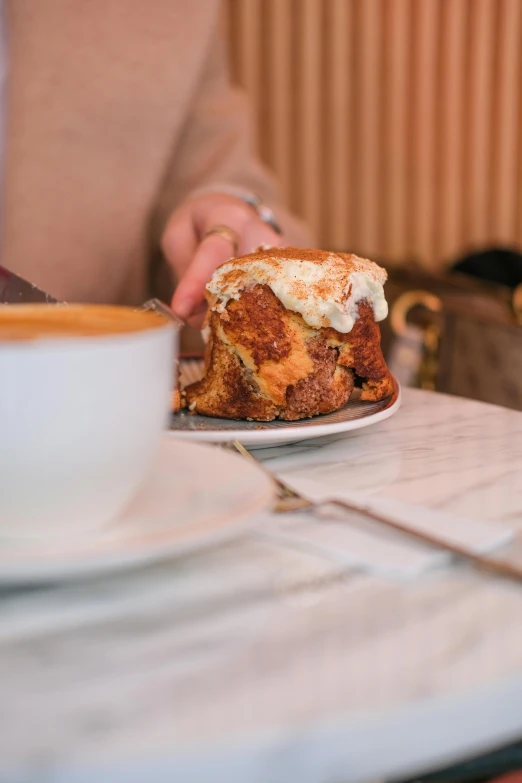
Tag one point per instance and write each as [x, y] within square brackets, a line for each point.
[395, 126]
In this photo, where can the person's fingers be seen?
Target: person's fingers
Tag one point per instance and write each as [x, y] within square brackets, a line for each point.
[181, 245]
[256, 233]
[213, 251]
[195, 255]
[220, 210]
[197, 319]
[180, 241]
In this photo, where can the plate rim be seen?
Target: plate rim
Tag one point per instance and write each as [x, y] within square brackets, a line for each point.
[286, 435]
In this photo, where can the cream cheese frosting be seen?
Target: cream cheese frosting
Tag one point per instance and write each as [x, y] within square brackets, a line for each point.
[324, 288]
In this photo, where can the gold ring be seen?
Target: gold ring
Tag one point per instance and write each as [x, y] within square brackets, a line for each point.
[227, 233]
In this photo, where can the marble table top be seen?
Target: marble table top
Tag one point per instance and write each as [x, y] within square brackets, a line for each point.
[255, 662]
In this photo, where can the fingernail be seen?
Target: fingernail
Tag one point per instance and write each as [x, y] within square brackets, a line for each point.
[183, 308]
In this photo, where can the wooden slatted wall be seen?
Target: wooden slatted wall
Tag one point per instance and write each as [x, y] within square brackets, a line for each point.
[395, 126]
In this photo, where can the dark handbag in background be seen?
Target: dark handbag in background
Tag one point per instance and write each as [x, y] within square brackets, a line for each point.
[459, 332]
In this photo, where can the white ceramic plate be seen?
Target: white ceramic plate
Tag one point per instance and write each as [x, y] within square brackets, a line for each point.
[194, 497]
[353, 416]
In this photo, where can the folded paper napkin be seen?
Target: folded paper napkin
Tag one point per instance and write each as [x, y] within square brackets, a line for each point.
[355, 541]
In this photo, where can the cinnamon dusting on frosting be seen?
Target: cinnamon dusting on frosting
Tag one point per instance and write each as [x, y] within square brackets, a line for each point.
[324, 288]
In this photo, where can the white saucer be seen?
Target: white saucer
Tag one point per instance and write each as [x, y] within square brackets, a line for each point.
[206, 429]
[195, 496]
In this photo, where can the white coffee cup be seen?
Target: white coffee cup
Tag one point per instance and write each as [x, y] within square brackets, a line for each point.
[85, 393]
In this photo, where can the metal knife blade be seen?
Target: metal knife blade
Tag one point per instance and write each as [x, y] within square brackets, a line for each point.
[16, 290]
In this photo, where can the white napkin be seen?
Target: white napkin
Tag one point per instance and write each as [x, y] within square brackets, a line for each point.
[354, 541]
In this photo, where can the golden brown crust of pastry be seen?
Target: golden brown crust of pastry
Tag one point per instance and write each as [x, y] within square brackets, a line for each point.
[326, 389]
[267, 341]
[258, 322]
[360, 350]
[227, 389]
[264, 362]
[176, 400]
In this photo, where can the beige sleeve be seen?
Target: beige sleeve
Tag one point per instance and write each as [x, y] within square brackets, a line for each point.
[215, 148]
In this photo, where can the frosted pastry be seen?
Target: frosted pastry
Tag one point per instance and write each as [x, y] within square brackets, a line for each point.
[291, 332]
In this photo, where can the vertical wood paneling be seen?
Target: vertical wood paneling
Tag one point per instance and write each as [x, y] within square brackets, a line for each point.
[367, 114]
[481, 20]
[424, 31]
[309, 115]
[279, 75]
[517, 169]
[338, 196]
[506, 127]
[451, 108]
[396, 79]
[395, 126]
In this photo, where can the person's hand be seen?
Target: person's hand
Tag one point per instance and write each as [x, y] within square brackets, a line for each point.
[194, 254]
